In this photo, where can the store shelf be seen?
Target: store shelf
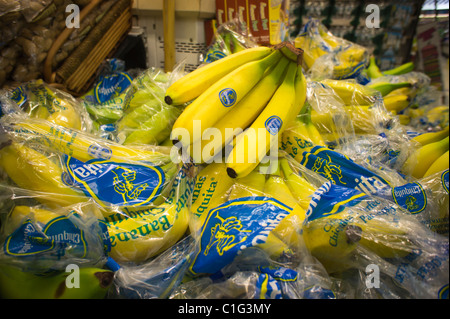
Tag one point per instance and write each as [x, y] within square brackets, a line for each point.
[202, 9]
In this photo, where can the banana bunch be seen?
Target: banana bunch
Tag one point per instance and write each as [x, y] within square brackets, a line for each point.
[64, 166]
[15, 283]
[146, 118]
[243, 102]
[39, 100]
[430, 156]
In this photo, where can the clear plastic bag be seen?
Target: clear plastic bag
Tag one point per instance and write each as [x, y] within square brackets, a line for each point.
[328, 56]
[146, 118]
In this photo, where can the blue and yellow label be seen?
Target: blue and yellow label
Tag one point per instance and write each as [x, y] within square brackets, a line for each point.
[443, 292]
[232, 227]
[267, 288]
[273, 124]
[330, 199]
[121, 184]
[341, 170]
[411, 197]
[445, 180]
[228, 97]
[56, 237]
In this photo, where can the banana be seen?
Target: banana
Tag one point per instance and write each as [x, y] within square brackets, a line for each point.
[253, 185]
[373, 71]
[137, 234]
[431, 137]
[288, 230]
[211, 189]
[351, 93]
[396, 103]
[296, 139]
[422, 158]
[81, 145]
[402, 69]
[15, 283]
[386, 87]
[300, 188]
[156, 129]
[240, 116]
[32, 170]
[219, 99]
[404, 119]
[332, 239]
[411, 92]
[251, 146]
[439, 165]
[386, 238]
[192, 85]
[311, 51]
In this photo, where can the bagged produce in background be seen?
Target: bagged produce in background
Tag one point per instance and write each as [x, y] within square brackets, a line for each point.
[329, 57]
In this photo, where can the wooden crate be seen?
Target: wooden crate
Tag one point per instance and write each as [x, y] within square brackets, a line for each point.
[79, 71]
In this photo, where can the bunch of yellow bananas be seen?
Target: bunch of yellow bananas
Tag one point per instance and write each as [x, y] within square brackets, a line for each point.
[430, 156]
[242, 102]
[215, 189]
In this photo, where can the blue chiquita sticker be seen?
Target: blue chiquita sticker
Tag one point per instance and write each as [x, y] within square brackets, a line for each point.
[228, 97]
[273, 124]
[121, 184]
[234, 226]
[56, 236]
[445, 180]
[411, 197]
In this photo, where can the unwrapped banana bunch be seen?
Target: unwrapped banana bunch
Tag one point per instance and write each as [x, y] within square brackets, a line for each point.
[241, 103]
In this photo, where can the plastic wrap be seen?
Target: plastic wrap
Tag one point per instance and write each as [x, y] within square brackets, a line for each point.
[147, 119]
[144, 191]
[39, 100]
[328, 56]
[229, 38]
[347, 229]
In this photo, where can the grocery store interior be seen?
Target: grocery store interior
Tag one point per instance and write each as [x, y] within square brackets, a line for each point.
[224, 149]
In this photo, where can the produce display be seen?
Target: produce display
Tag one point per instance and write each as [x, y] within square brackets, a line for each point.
[293, 171]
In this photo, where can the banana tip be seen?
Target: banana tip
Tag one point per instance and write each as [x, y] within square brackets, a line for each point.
[353, 233]
[168, 100]
[231, 172]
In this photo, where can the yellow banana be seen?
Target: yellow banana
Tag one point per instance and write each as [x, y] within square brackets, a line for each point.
[351, 93]
[219, 99]
[288, 230]
[397, 102]
[439, 165]
[81, 145]
[241, 116]
[296, 139]
[252, 145]
[332, 239]
[422, 158]
[404, 119]
[253, 185]
[431, 137]
[196, 82]
[300, 188]
[386, 238]
[211, 189]
[311, 50]
[32, 170]
[409, 91]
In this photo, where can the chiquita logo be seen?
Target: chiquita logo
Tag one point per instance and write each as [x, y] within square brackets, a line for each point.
[121, 184]
[233, 226]
[228, 97]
